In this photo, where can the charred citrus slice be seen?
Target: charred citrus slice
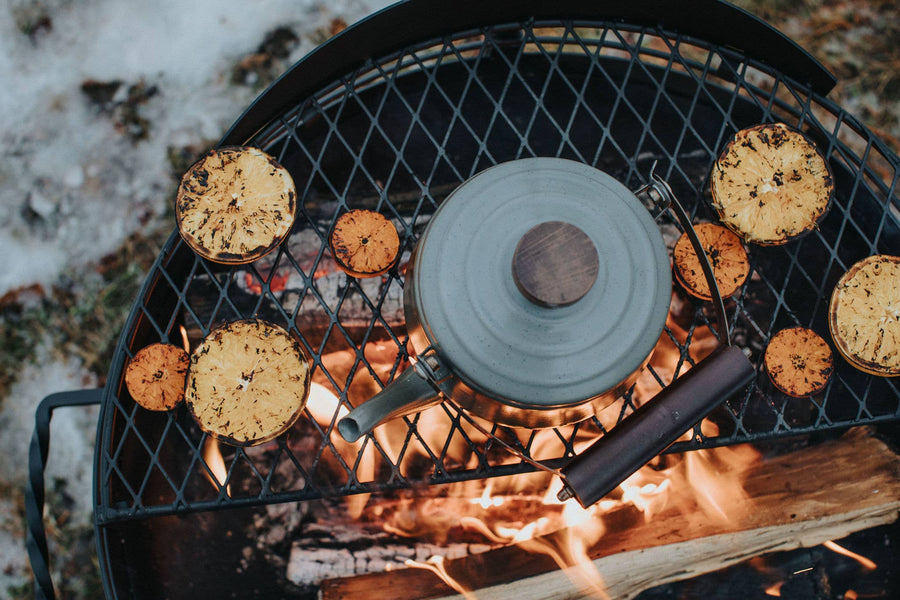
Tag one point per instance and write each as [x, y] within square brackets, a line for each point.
[364, 243]
[248, 382]
[235, 205]
[726, 255]
[864, 315]
[799, 362]
[155, 376]
[771, 185]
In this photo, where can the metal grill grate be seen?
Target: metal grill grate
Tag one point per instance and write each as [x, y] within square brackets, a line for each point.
[398, 135]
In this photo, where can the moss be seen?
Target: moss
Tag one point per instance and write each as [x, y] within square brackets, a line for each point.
[21, 592]
[82, 314]
[21, 329]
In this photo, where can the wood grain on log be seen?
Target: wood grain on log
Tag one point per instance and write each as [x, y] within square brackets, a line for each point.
[801, 499]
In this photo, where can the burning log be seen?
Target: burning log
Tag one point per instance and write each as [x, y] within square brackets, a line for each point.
[284, 285]
[326, 553]
[800, 499]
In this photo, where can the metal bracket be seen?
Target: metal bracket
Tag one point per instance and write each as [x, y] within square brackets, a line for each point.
[668, 201]
[429, 367]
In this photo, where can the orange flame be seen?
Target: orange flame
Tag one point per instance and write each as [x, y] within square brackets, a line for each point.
[277, 282]
[524, 510]
[212, 454]
[775, 589]
[184, 339]
[865, 562]
[486, 501]
[210, 450]
[326, 408]
[435, 564]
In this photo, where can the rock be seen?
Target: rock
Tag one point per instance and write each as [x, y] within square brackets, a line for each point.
[38, 207]
[101, 93]
[280, 42]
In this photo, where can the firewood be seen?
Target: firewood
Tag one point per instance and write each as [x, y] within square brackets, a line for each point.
[800, 499]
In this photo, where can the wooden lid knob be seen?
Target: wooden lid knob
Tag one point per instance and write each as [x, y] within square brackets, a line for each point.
[555, 264]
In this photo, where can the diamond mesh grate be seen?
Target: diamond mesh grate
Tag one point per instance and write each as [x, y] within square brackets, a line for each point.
[398, 135]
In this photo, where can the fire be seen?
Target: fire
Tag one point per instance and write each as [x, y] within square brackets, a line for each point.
[326, 408]
[523, 509]
[184, 339]
[435, 564]
[649, 498]
[277, 283]
[862, 560]
[218, 473]
[486, 501]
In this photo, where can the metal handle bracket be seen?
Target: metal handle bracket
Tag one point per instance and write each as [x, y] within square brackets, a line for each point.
[36, 538]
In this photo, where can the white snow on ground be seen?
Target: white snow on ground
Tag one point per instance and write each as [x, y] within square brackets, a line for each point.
[63, 161]
[72, 188]
[71, 451]
[70, 457]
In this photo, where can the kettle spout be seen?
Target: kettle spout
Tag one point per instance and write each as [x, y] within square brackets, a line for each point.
[407, 394]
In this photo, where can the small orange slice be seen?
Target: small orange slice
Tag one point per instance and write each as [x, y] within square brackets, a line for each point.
[799, 362]
[726, 255]
[364, 243]
[155, 376]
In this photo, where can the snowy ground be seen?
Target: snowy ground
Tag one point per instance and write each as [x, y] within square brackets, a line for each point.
[77, 177]
[88, 186]
[97, 97]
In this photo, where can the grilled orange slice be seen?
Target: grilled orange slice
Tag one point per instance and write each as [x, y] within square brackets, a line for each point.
[364, 243]
[155, 376]
[235, 205]
[726, 255]
[864, 315]
[248, 382]
[799, 362]
[770, 184]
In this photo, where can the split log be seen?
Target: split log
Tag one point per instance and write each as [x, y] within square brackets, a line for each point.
[800, 499]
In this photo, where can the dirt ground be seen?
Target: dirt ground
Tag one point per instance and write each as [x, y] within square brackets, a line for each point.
[859, 42]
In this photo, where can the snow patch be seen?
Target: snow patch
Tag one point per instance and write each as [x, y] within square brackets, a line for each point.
[71, 431]
[72, 187]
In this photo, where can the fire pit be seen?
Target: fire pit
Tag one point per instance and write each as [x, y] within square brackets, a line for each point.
[393, 115]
